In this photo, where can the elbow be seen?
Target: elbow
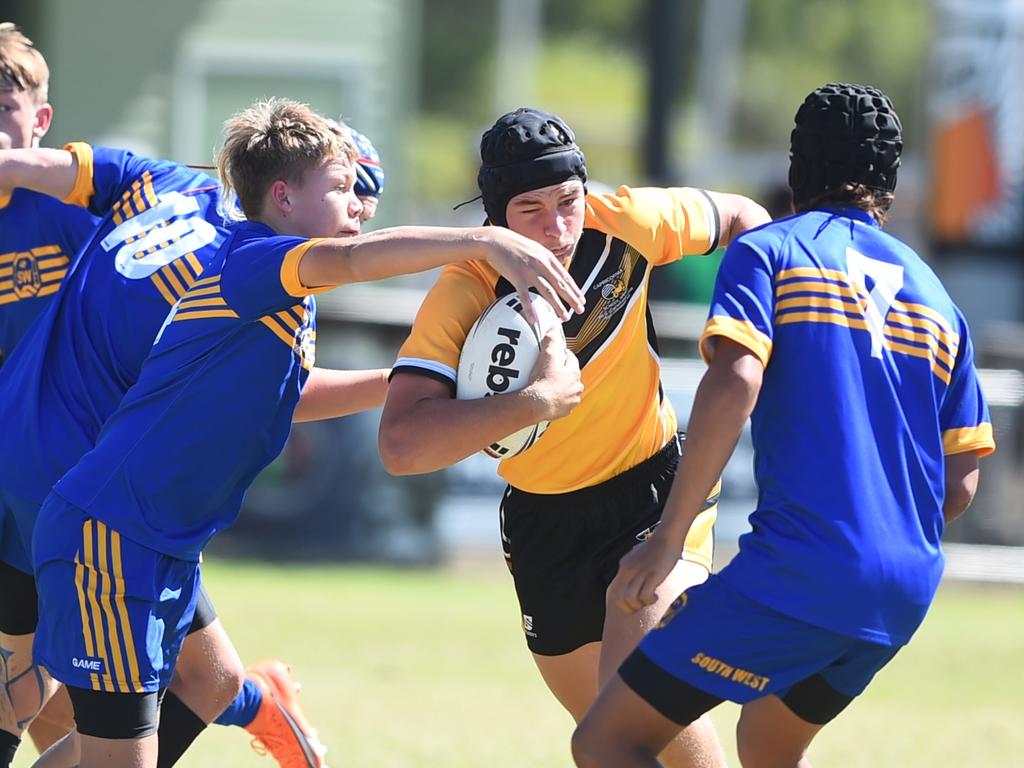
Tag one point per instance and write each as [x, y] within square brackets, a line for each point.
[397, 454]
[958, 499]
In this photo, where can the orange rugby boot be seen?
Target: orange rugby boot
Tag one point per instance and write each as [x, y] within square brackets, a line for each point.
[280, 727]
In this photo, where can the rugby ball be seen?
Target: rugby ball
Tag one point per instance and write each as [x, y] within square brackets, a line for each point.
[498, 356]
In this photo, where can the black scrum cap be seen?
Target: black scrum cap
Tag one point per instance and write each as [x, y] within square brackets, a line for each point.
[525, 149]
[844, 134]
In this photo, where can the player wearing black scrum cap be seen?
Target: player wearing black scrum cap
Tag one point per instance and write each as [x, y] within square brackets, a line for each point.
[857, 372]
[594, 484]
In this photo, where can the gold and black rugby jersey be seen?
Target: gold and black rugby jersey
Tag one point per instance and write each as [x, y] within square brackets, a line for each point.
[624, 417]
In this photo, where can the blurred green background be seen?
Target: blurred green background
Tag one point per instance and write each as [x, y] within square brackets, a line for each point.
[414, 667]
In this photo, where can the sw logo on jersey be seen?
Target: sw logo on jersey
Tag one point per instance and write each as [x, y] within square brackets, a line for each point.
[27, 278]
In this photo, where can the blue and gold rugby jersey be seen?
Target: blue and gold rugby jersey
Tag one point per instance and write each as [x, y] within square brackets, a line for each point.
[159, 229]
[869, 384]
[39, 236]
[213, 404]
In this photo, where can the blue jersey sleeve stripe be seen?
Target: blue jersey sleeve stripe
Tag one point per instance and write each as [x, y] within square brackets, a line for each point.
[83, 190]
[290, 271]
[742, 332]
[964, 439]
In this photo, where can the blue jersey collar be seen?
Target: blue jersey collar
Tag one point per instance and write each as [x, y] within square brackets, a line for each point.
[851, 213]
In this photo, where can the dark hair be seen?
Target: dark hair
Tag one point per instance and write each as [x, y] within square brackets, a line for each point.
[846, 142]
[873, 201]
[524, 150]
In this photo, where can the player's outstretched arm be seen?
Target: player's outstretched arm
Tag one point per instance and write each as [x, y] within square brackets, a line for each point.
[330, 393]
[50, 171]
[402, 250]
[423, 429]
[736, 215]
[724, 400]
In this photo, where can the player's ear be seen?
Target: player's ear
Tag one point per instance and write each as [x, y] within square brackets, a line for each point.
[279, 196]
[44, 116]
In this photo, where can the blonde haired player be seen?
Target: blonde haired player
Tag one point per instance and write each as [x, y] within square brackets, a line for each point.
[218, 392]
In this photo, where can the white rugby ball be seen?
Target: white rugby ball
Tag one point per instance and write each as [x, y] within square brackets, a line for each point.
[498, 356]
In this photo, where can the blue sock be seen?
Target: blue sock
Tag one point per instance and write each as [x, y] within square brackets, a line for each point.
[243, 709]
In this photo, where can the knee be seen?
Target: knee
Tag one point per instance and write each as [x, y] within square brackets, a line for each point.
[754, 754]
[230, 677]
[593, 748]
[584, 748]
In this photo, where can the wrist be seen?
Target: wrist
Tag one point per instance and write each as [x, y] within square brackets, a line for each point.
[538, 407]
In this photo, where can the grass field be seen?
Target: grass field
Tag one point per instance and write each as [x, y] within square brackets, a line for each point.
[412, 668]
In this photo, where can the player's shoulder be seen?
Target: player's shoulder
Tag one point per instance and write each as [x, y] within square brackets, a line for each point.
[473, 275]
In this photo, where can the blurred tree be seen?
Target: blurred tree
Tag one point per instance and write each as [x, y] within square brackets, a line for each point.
[793, 46]
[458, 49]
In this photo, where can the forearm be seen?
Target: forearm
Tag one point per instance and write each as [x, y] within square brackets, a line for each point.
[388, 253]
[50, 171]
[435, 433]
[329, 394]
[721, 407]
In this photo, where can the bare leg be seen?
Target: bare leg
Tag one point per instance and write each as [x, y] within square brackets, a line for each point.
[208, 673]
[24, 687]
[55, 721]
[123, 753]
[769, 735]
[65, 753]
[697, 745]
[621, 730]
[572, 677]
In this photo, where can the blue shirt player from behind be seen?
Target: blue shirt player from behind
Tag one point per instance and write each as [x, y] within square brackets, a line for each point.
[857, 371]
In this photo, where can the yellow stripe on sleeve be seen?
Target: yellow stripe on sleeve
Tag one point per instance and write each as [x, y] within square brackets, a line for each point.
[741, 331]
[964, 439]
[290, 271]
[81, 194]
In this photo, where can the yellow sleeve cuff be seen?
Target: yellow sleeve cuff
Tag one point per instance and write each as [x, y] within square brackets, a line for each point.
[978, 439]
[81, 194]
[290, 271]
[742, 332]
